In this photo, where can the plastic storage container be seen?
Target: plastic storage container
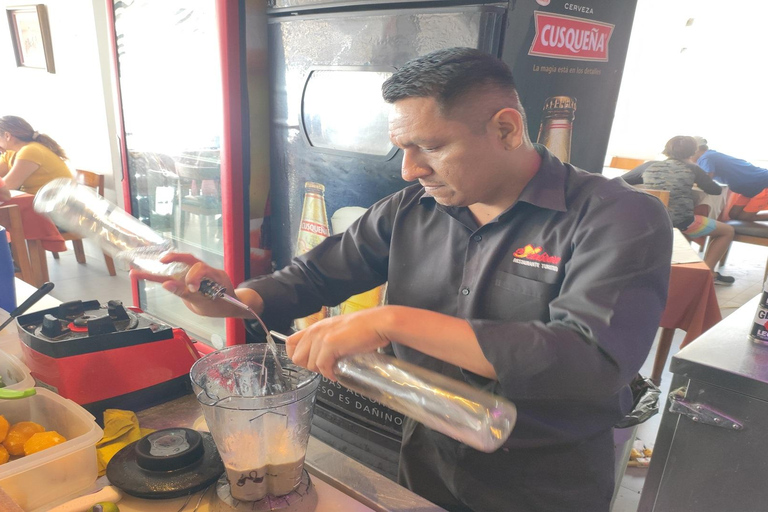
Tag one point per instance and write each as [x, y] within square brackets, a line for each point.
[9, 336]
[14, 373]
[39, 480]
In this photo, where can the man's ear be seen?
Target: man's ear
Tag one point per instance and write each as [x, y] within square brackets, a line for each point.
[508, 124]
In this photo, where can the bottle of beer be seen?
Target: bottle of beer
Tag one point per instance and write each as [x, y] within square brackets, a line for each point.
[759, 332]
[556, 126]
[312, 230]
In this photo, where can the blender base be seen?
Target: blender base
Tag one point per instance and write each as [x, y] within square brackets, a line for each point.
[301, 499]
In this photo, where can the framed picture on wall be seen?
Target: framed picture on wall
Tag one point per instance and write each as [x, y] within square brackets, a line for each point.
[31, 36]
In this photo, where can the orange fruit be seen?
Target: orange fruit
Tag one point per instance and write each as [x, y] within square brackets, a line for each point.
[4, 455]
[4, 426]
[18, 435]
[42, 441]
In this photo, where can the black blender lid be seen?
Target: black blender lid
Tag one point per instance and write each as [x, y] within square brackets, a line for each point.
[166, 464]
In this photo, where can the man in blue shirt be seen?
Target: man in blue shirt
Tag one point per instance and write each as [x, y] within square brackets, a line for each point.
[741, 176]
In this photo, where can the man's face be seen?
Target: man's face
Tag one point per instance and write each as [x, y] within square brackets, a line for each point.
[455, 165]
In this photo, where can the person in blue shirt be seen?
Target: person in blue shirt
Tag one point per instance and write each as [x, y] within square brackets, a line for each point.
[741, 176]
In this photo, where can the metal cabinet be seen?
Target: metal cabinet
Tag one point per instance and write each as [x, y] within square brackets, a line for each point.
[710, 453]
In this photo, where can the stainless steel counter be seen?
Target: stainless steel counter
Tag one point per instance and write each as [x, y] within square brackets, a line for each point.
[710, 449]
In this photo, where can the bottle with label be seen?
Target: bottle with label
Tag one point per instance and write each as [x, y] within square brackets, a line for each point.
[312, 230]
[557, 126]
[759, 332]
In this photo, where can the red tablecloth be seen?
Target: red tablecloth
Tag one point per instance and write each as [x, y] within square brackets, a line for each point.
[692, 303]
[36, 226]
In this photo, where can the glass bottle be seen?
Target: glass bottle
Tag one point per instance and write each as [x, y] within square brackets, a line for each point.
[557, 125]
[759, 332]
[313, 229]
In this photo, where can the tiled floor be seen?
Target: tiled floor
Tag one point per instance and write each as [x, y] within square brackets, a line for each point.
[746, 263]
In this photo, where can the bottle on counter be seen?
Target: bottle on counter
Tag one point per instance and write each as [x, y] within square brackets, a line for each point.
[312, 230]
[557, 126]
[759, 332]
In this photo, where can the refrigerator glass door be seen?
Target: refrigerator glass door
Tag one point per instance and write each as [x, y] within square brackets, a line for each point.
[171, 99]
[329, 122]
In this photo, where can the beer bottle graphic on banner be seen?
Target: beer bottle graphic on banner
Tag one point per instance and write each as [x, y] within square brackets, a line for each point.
[312, 230]
[557, 126]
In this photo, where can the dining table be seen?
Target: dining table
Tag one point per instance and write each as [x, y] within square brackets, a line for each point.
[691, 302]
[40, 232]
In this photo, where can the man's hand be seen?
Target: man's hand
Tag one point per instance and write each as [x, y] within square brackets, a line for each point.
[188, 286]
[320, 345]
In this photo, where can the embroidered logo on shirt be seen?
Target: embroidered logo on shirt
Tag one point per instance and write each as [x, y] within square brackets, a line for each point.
[535, 257]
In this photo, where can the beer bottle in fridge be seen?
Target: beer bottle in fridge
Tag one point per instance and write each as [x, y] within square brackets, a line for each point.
[313, 229]
[557, 125]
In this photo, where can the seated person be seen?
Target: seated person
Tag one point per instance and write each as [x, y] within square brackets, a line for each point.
[749, 208]
[677, 175]
[741, 176]
[29, 159]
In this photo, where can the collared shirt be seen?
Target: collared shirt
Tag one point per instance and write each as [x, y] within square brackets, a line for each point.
[741, 176]
[564, 290]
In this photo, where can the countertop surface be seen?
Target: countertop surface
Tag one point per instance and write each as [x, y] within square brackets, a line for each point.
[342, 484]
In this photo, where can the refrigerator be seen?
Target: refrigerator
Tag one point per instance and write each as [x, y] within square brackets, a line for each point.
[192, 102]
[331, 156]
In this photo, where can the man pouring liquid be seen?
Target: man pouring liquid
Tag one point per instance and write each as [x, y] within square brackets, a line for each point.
[507, 269]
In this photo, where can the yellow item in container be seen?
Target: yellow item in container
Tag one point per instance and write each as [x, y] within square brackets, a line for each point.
[4, 426]
[121, 428]
[4, 455]
[42, 440]
[18, 434]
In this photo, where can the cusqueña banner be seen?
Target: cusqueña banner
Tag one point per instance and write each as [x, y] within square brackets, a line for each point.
[568, 59]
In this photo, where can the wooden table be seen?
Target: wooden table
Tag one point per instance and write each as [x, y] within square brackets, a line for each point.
[691, 304]
[40, 232]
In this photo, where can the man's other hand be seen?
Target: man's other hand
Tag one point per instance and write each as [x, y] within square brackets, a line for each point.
[187, 287]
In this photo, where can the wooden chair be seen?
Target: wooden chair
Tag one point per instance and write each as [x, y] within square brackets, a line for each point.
[663, 195]
[10, 219]
[205, 206]
[93, 180]
[623, 162]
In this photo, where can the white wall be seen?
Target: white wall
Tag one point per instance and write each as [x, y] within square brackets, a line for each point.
[714, 88]
[74, 104]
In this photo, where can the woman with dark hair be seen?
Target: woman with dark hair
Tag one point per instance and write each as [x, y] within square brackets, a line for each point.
[677, 175]
[29, 159]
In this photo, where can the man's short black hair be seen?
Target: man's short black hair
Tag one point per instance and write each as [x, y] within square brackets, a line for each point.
[446, 75]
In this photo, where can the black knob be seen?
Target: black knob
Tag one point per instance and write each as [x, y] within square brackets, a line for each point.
[71, 309]
[52, 326]
[116, 310]
[102, 325]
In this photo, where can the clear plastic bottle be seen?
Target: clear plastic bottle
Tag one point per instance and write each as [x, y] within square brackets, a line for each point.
[472, 416]
[79, 209]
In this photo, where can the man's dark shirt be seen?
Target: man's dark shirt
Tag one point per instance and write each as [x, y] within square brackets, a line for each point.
[564, 290]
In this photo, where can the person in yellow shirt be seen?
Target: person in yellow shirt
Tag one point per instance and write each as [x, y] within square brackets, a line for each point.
[29, 159]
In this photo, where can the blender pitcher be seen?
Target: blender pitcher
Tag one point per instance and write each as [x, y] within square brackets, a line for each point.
[260, 429]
